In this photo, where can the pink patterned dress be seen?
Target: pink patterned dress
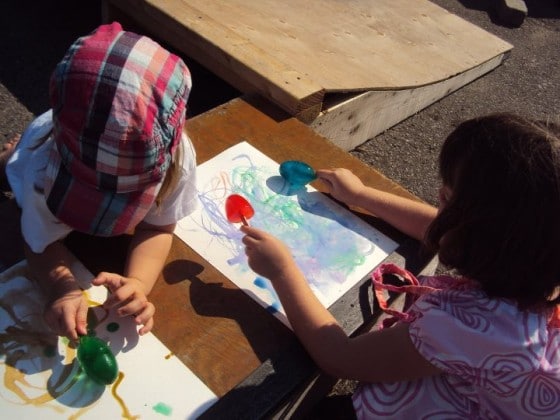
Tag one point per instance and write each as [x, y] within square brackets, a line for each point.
[499, 362]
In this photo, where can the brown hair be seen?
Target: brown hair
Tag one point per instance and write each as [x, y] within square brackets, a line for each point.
[172, 175]
[501, 225]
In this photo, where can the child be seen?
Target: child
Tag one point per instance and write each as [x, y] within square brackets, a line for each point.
[109, 158]
[483, 344]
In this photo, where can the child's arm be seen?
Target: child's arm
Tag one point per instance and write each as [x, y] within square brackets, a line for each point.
[147, 254]
[66, 309]
[378, 356]
[408, 216]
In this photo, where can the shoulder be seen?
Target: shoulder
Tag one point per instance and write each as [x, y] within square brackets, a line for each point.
[39, 226]
[455, 326]
[38, 128]
[25, 169]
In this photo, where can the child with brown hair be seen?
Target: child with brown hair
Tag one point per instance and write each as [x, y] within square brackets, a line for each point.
[483, 343]
[109, 158]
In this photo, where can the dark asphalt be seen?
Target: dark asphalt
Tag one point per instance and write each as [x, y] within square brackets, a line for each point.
[527, 83]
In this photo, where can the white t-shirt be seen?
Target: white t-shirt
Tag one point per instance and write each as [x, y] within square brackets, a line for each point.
[26, 173]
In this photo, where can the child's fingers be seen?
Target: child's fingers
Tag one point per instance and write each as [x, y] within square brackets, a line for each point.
[324, 173]
[327, 177]
[143, 314]
[111, 280]
[133, 306]
[81, 319]
[68, 317]
[66, 324]
[146, 314]
[125, 295]
[252, 231]
[252, 237]
[147, 327]
[249, 241]
[55, 323]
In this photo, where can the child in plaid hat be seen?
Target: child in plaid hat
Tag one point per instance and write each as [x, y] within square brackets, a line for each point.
[109, 158]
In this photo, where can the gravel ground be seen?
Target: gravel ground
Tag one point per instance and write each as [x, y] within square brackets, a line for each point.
[35, 36]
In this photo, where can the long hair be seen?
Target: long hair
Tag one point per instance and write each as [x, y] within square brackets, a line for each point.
[501, 225]
[172, 175]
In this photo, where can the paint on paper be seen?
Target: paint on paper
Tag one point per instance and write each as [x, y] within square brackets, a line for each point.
[334, 248]
[42, 378]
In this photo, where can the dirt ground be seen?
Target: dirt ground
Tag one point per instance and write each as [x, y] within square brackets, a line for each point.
[35, 36]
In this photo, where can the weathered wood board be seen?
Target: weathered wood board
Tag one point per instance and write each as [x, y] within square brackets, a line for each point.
[402, 54]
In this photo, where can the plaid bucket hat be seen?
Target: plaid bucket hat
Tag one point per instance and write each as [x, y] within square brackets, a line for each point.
[119, 105]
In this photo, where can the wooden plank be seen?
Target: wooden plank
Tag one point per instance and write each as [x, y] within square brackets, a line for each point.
[294, 52]
[346, 46]
[351, 122]
[199, 36]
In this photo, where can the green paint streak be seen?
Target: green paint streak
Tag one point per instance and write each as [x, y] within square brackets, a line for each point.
[162, 408]
[113, 326]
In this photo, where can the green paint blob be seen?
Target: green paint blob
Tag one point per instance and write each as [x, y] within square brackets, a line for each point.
[113, 326]
[162, 408]
[97, 360]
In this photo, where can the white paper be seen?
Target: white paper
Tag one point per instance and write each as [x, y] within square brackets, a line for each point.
[42, 378]
[334, 248]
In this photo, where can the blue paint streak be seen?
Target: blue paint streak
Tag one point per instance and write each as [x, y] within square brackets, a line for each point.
[265, 284]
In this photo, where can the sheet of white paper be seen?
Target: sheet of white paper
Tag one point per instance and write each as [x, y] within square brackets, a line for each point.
[334, 248]
[42, 378]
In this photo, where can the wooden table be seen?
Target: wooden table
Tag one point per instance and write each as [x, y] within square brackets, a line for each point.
[246, 356]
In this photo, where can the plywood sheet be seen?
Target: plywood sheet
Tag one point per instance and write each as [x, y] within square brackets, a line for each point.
[294, 52]
[346, 45]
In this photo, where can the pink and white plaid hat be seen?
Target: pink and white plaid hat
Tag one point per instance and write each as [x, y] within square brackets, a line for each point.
[119, 104]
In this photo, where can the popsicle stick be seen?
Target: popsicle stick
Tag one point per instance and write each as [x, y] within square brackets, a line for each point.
[244, 220]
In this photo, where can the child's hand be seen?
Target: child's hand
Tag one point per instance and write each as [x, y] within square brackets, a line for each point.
[128, 294]
[267, 255]
[66, 314]
[342, 184]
